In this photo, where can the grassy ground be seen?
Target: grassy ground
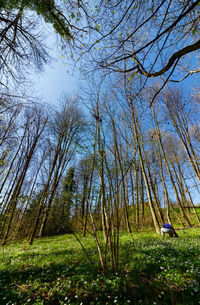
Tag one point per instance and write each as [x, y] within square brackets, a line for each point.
[153, 270]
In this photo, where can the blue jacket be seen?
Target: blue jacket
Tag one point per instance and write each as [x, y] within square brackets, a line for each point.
[167, 226]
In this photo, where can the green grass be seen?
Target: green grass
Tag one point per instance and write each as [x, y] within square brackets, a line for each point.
[55, 270]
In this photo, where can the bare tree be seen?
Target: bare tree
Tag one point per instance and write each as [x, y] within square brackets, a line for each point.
[36, 123]
[65, 127]
[176, 107]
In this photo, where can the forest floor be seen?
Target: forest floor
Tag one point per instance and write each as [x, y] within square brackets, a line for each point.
[152, 270]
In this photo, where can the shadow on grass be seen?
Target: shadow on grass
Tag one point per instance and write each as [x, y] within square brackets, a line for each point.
[152, 271]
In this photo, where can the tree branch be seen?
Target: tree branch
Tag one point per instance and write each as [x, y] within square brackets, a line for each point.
[189, 73]
[173, 58]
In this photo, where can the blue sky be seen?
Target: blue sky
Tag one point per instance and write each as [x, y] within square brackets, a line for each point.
[58, 76]
[54, 81]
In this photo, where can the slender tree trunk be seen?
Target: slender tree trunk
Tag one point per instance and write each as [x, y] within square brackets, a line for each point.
[11, 164]
[57, 177]
[17, 190]
[188, 192]
[152, 209]
[31, 192]
[137, 211]
[125, 207]
[84, 209]
[159, 144]
[101, 174]
[173, 183]
[178, 122]
[44, 193]
[141, 193]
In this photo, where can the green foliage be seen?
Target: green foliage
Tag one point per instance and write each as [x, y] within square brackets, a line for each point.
[47, 9]
[68, 186]
[59, 218]
[153, 270]
[68, 190]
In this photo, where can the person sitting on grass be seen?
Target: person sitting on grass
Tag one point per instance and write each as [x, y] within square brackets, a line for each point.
[167, 228]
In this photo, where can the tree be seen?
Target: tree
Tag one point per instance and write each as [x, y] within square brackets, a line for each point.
[116, 33]
[83, 175]
[122, 35]
[59, 215]
[179, 113]
[22, 36]
[49, 10]
[21, 44]
[65, 127]
[67, 198]
[34, 126]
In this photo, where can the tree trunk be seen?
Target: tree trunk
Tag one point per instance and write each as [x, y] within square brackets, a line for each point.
[152, 209]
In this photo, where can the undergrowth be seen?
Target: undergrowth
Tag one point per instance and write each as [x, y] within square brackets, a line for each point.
[55, 270]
